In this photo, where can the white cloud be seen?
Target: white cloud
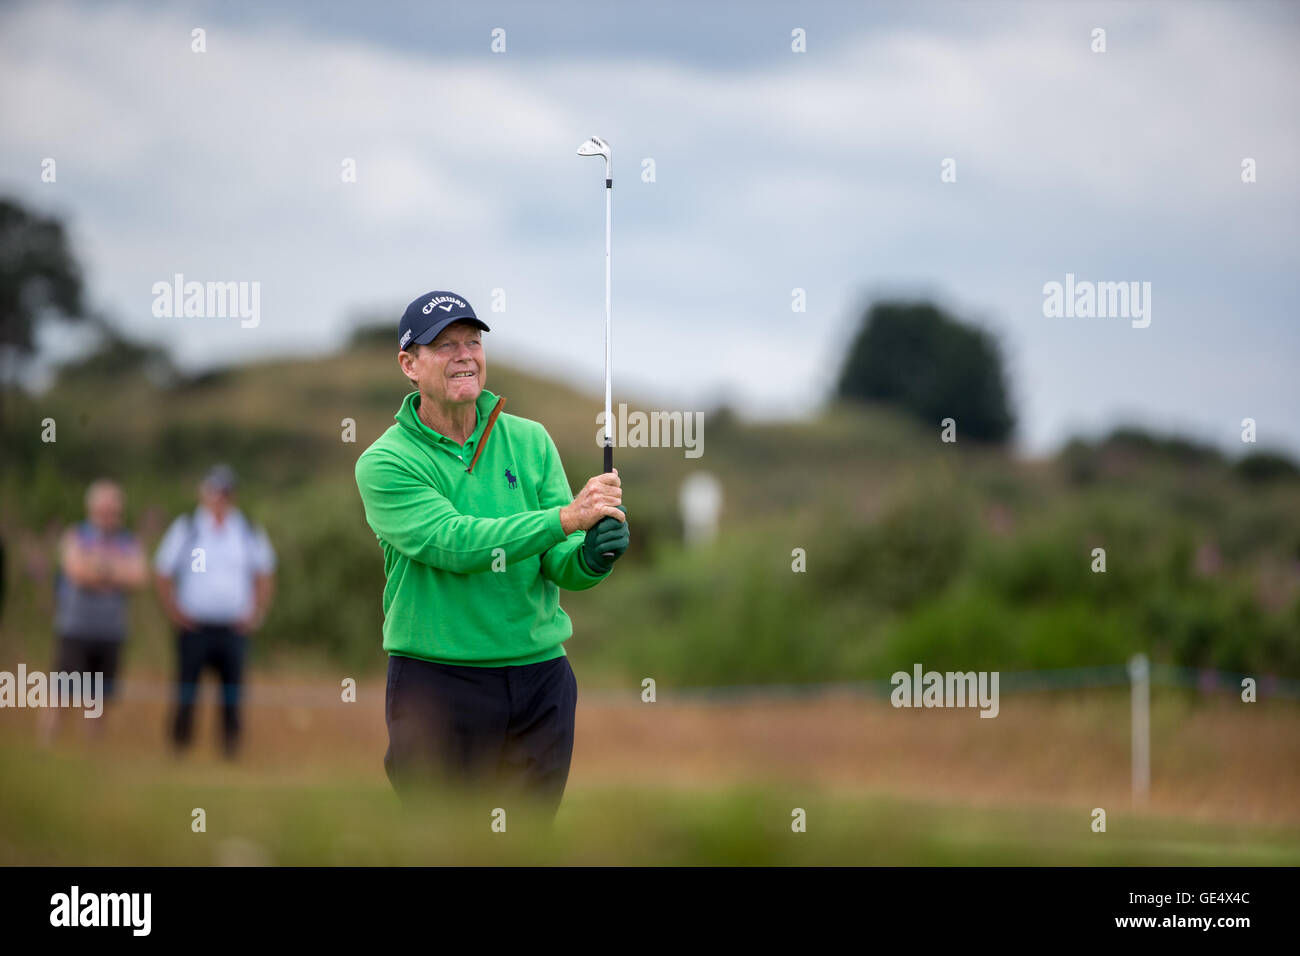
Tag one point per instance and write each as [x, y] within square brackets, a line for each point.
[819, 170]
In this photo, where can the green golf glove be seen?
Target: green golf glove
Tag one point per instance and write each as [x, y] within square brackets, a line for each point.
[608, 535]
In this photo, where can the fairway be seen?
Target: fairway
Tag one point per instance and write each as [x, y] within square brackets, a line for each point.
[665, 783]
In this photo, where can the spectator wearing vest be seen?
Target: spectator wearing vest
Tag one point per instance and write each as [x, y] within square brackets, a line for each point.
[214, 573]
[100, 564]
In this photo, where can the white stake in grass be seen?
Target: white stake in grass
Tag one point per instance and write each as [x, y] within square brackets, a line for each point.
[1139, 672]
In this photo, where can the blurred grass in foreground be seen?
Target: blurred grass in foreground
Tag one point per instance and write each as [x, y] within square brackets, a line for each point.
[63, 809]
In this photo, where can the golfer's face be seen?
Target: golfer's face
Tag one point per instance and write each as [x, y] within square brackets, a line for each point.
[452, 367]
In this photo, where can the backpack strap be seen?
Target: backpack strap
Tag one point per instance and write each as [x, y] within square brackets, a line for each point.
[188, 536]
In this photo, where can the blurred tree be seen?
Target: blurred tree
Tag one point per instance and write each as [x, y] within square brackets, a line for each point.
[116, 355]
[916, 356]
[377, 331]
[38, 278]
[1265, 466]
[1174, 448]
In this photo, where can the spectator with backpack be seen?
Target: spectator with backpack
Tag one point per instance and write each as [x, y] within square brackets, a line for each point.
[214, 574]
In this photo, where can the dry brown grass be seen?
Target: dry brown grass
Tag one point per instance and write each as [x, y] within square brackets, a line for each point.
[1212, 758]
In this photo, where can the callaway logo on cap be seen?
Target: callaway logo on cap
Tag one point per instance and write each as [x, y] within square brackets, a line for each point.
[430, 314]
[446, 303]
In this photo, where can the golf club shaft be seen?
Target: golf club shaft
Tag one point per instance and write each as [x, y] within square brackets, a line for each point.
[609, 323]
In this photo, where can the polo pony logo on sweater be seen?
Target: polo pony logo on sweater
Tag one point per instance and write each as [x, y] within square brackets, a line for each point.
[511, 480]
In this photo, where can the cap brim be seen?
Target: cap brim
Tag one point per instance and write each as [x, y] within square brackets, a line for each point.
[433, 331]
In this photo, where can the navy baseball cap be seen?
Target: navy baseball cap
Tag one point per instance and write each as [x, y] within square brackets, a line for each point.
[221, 478]
[430, 314]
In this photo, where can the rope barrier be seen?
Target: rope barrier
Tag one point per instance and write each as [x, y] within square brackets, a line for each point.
[1014, 682]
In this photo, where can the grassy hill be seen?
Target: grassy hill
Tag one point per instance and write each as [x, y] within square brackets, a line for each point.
[956, 555]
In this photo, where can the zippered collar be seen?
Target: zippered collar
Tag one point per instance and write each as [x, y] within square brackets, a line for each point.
[488, 406]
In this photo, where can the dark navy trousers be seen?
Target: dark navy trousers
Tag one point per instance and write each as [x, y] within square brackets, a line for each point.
[222, 648]
[502, 727]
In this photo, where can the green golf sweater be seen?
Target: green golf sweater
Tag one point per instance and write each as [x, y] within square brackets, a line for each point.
[475, 559]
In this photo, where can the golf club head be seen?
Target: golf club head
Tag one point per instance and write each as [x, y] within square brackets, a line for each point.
[595, 147]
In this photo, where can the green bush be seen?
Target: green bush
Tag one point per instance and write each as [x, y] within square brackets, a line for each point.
[330, 580]
[971, 629]
[1263, 467]
[910, 555]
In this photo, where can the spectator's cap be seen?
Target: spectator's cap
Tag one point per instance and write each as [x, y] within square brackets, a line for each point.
[221, 478]
[430, 314]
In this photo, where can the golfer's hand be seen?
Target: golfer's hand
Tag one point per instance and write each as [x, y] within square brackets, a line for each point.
[599, 498]
[609, 537]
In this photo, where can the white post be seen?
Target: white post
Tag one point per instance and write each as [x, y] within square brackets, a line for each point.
[700, 500]
[1139, 672]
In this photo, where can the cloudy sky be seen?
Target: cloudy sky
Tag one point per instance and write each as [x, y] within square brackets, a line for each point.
[774, 170]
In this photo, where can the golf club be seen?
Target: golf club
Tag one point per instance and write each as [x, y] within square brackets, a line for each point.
[598, 147]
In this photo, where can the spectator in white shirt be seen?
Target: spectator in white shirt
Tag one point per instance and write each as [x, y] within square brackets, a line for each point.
[215, 573]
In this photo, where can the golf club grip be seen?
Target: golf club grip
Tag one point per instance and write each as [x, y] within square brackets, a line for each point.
[609, 466]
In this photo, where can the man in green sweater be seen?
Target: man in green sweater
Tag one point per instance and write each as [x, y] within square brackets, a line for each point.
[479, 531]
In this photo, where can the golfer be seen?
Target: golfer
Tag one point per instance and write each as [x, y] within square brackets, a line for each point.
[479, 531]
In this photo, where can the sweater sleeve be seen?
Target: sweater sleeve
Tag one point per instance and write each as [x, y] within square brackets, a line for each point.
[421, 523]
[562, 563]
